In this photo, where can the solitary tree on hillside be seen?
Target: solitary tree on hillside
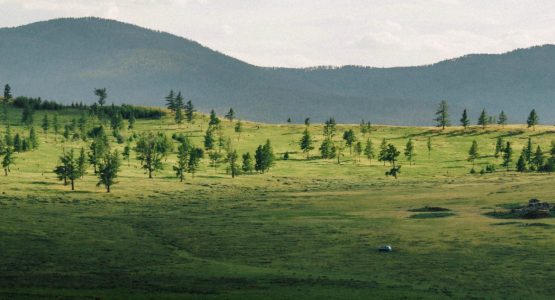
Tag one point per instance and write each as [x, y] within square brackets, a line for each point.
[532, 119]
[464, 120]
[391, 155]
[409, 151]
[483, 119]
[230, 116]
[502, 119]
[442, 115]
[7, 92]
[521, 163]
[102, 95]
[306, 143]
[507, 156]
[108, 169]
[473, 152]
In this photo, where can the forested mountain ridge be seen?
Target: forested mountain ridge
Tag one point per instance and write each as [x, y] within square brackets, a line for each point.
[65, 59]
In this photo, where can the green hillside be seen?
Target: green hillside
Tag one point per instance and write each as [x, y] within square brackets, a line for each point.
[306, 229]
[65, 59]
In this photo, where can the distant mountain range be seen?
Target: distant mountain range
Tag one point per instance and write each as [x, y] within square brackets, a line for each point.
[65, 59]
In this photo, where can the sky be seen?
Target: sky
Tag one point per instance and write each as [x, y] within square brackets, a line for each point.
[303, 33]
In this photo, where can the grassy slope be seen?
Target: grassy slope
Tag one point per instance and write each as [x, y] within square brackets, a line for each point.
[307, 229]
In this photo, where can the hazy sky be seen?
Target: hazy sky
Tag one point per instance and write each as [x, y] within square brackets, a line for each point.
[300, 33]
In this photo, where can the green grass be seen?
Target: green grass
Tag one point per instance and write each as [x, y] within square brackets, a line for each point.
[307, 229]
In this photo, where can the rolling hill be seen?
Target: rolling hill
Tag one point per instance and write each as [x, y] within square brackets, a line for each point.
[64, 59]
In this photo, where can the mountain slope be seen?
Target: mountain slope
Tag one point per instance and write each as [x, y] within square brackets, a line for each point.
[65, 59]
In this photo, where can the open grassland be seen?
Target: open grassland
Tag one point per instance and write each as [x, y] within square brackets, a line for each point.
[306, 229]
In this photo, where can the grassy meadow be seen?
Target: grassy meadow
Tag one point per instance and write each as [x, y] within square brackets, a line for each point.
[308, 229]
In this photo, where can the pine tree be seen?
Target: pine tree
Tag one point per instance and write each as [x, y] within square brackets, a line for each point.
[182, 161]
[483, 119]
[358, 150]
[473, 152]
[27, 116]
[383, 150]
[209, 139]
[170, 101]
[369, 150]
[499, 147]
[502, 119]
[247, 165]
[127, 153]
[507, 156]
[464, 120]
[56, 126]
[306, 143]
[8, 138]
[45, 124]
[7, 92]
[442, 115]
[538, 159]
[214, 120]
[238, 129]
[327, 149]
[108, 169]
[33, 139]
[521, 163]
[178, 109]
[8, 160]
[82, 163]
[195, 155]
[189, 111]
[528, 153]
[330, 128]
[409, 151]
[230, 116]
[232, 158]
[532, 119]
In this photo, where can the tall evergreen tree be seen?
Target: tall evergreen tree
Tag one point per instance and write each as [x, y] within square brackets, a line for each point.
[499, 147]
[170, 101]
[209, 140]
[189, 111]
[409, 151]
[327, 149]
[232, 158]
[507, 156]
[502, 119]
[383, 150]
[369, 150]
[483, 119]
[45, 124]
[442, 115]
[529, 151]
[306, 143]
[33, 139]
[538, 159]
[8, 160]
[247, 165]
[178, 108]
[473, 152]
[521, 163]
[533, 119]
[464, 120]
[230, 116]
[7, 92]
